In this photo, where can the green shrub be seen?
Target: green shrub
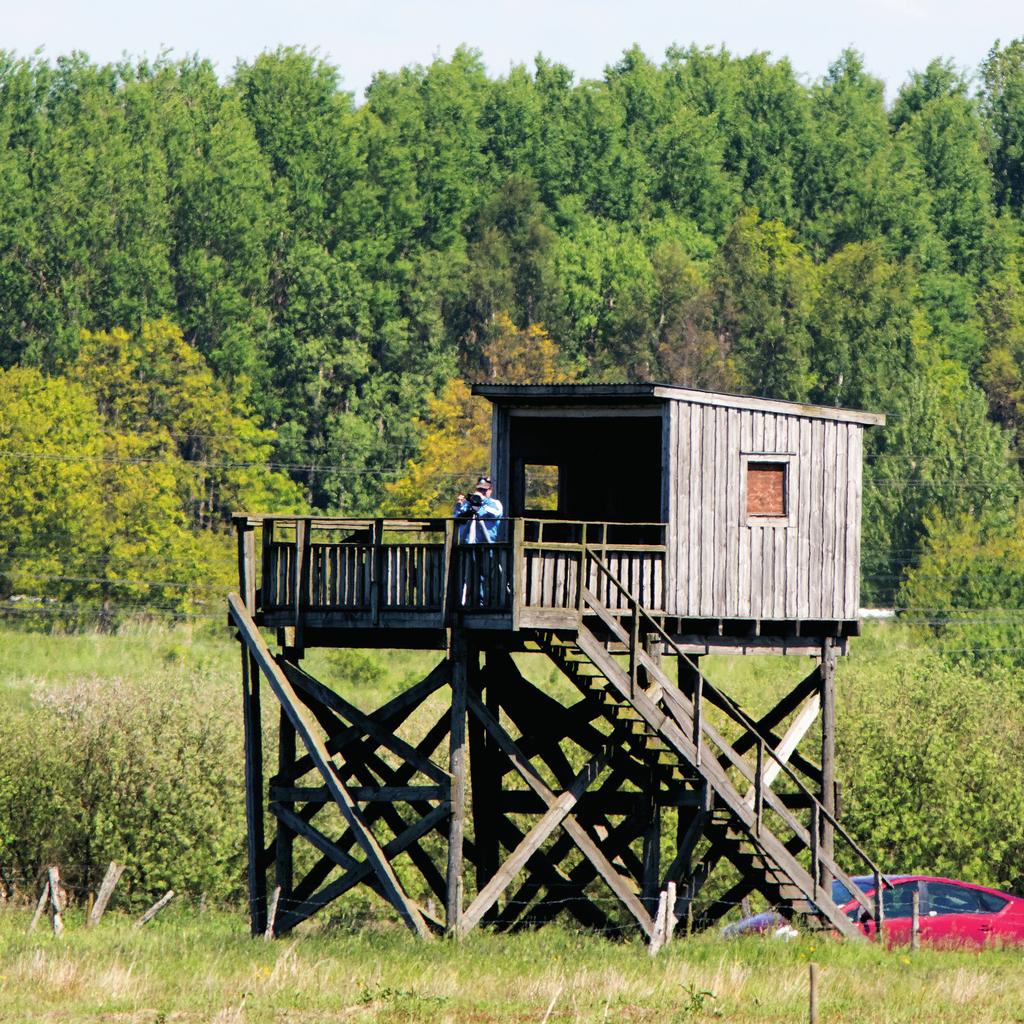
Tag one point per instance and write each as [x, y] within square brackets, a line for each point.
[148, 775]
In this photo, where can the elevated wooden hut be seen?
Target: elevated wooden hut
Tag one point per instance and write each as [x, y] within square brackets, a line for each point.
[646, 526]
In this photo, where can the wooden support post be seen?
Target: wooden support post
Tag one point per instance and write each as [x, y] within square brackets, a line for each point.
[486, 780]
[457, 769]
[252, 725]
[110, 879]
[879, 908]
[285, 839]
[828, 756]
[651, 856]
[915, 919]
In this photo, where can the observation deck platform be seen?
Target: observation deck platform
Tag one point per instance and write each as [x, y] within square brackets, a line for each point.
[405, 582]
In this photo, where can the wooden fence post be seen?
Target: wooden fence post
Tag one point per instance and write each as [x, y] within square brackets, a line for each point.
[915, 919]
[670, 920]
[272, 915]
[44, 898]
[812, 1014]
[110, 879]
[56, 908]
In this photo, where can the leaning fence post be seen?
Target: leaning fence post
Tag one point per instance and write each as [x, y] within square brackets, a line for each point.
[56, 920]
[44, 898]
[156, 908]
[110, 879]
[659, 930]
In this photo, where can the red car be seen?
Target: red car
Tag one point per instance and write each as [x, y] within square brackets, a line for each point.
[951, 913]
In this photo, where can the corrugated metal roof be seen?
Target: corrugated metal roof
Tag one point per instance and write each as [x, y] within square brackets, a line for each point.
[650, 393]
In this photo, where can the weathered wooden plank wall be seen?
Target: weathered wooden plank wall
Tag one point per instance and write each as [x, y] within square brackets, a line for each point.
[724, 564]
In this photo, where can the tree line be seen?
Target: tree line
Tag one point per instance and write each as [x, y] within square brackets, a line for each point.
[259, 294]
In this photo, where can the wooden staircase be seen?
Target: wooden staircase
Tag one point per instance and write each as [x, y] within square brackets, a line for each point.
[746, 823]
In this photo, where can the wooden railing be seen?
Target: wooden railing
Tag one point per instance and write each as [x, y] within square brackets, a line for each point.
[554, 561]
[824, 830]
[374, 569]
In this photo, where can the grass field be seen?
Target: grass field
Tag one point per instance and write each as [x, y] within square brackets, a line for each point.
[188, 968]
[362, 967]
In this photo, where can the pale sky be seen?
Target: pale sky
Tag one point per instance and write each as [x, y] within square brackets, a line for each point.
[896, 36]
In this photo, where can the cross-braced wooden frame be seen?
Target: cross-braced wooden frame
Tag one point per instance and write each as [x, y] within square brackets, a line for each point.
[569, 799]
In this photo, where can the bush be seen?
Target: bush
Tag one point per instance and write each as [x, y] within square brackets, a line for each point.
[147, 775]
[929, 755]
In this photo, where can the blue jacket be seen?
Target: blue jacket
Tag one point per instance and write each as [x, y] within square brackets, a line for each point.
[483, 526]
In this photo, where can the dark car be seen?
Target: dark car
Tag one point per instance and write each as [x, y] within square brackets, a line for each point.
[952, 913]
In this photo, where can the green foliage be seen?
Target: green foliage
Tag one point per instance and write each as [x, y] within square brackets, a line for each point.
[91, 519]
[709, 220]
[939, 455]
[113, 769]
[929, 758]
[765, 286]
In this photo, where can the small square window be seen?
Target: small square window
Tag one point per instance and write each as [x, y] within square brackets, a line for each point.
[541, 487]
[766, 489]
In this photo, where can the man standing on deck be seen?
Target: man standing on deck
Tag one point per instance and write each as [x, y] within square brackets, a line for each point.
[479, 518]
[479, 514]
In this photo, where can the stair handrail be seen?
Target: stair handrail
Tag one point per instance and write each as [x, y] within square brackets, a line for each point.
[739, 716]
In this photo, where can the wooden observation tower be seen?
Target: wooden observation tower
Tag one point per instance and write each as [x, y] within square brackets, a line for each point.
[646, 527]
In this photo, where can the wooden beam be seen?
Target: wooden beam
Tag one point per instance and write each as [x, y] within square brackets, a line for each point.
[388, 717]
[485, 778]
[587, 845]
[828, 756]
[787, 745]
[283, 843]
[336, 703]
[322, 868]
[361, 794]
[282, 687]
[460, 657]
[359, 871]
[252, 729]
[556, 814]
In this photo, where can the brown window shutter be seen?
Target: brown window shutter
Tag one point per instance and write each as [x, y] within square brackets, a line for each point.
[766, 489]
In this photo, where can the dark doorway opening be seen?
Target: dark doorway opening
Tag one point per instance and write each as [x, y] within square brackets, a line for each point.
[590, 468]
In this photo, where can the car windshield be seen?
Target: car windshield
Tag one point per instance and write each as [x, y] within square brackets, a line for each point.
[840, 893]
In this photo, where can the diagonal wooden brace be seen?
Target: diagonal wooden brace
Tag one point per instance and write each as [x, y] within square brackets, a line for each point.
[285, 693]
[549, 821]
[590, 849]
[336, 703]
[309, 905]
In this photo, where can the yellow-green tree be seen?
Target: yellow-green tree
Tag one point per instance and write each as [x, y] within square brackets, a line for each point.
[455, 433]
[92, 522]
[154, 385]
